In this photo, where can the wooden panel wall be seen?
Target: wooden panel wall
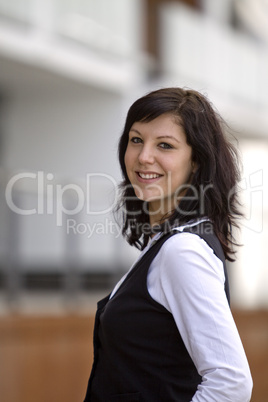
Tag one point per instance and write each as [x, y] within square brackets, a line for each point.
[253, 329]
[49, 358]
[45, 359]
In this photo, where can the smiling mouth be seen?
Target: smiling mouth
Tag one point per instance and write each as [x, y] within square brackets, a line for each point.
[148, 175]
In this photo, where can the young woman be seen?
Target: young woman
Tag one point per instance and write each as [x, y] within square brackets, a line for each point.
[166, 332]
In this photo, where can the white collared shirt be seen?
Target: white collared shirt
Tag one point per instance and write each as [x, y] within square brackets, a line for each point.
[187, 278]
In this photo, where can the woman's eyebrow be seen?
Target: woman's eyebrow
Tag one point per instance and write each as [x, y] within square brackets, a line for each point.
[136, 131]
[159, 137]
[167, 136]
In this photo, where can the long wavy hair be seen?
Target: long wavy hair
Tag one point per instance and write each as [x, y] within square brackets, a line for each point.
[216, 174]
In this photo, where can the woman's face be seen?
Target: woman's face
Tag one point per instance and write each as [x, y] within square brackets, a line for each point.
[158, 162]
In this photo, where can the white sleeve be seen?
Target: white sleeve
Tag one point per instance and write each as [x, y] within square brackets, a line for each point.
[188, 279]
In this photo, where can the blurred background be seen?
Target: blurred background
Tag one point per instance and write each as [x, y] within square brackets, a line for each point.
[69, 70]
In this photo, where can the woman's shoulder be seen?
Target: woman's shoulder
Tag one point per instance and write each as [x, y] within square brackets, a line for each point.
[195, 237]
[183, 242]
[188, 249]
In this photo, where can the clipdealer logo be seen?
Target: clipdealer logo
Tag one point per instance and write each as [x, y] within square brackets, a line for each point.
[67, 200]
[55, 198]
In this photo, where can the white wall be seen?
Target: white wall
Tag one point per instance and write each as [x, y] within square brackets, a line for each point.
[198, 52]
[249, 273]
[65, 136]
[64, 75]
[69, 134]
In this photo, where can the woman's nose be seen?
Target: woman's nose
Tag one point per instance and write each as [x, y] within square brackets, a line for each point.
[146, 156]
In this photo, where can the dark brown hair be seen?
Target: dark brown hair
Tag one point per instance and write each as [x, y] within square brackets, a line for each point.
[216, 175]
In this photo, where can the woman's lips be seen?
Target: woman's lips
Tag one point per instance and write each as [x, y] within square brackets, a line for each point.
[147, 177]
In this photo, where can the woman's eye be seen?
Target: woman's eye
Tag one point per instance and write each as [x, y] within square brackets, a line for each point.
[136, 140]
[164, 145]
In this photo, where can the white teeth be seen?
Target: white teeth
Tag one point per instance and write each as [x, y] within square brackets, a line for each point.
[149, 176]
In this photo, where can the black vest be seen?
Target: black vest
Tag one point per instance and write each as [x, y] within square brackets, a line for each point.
[139, 354]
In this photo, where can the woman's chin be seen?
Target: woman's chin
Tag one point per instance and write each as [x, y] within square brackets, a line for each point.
[149, 198]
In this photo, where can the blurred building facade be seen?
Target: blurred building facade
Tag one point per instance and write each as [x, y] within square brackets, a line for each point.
[68, 73]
